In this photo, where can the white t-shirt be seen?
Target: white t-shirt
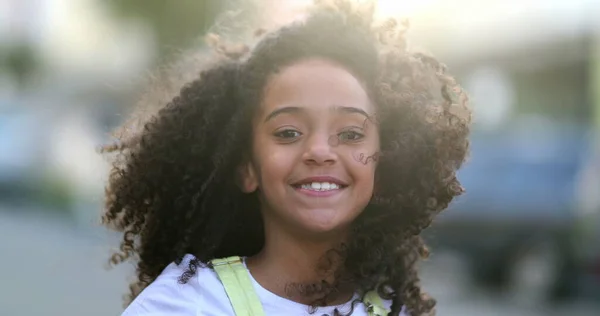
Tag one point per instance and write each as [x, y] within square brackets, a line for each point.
[205, 295]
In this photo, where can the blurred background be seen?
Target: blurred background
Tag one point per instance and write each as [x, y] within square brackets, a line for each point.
[523, 240]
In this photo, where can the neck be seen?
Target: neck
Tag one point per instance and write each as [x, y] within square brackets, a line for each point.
[293, 259]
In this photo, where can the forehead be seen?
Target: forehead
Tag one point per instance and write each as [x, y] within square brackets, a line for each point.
[315, 84]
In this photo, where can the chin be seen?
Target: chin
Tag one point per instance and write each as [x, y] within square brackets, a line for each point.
[318, 225]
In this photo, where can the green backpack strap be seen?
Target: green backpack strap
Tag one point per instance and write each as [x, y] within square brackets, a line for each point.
[374, 304]
[238, 286]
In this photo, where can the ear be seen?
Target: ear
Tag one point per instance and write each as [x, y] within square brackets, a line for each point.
[247, 179]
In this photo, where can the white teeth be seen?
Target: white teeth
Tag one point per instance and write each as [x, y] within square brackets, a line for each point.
[320, 186]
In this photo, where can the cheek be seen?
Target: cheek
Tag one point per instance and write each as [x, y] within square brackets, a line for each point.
[275, 165]
[360, 164]
[367, 174]
[363, 167]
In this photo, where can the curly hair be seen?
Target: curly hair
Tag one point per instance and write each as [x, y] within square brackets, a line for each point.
[172, 189]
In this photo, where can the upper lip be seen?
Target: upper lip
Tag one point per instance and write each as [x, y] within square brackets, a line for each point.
[321, 179]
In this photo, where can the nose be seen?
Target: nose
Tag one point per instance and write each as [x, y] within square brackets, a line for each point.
[319, 151]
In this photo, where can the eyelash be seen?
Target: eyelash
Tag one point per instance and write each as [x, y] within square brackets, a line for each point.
[283, 136]
[356, 136]
[345, 136]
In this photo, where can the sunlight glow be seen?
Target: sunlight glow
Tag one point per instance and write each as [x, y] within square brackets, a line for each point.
[402, 8]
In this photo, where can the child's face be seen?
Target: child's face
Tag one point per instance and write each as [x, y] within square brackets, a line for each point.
[312, 136]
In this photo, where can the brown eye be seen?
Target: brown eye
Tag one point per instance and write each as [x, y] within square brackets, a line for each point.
[288, 134]
[350, 136]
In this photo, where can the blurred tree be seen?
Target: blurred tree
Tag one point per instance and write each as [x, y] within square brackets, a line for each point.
[20, 61]
[176, 24]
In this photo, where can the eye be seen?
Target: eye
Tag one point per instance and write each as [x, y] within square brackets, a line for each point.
[350, 136]
[288, 134]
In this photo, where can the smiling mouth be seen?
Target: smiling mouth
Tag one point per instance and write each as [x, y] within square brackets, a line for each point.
[320, 186]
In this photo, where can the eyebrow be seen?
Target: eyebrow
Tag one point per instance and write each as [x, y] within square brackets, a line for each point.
[284, 110]
[351, 110]
[295, 109]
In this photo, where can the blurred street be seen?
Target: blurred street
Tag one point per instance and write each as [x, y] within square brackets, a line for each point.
[71, 71]
[50, 268]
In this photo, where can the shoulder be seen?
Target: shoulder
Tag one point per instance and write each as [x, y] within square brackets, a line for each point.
[167, 296]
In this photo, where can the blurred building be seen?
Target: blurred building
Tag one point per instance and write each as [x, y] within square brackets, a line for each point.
[531, 68]
[528, 57]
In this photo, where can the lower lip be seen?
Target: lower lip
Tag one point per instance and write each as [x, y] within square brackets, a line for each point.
[319, 193]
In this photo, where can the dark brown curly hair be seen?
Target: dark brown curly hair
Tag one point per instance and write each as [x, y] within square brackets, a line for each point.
[172, 190]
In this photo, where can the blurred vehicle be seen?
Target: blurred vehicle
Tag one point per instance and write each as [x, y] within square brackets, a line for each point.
[519, 223]
[21, 150]
[587, 239]
[47, 157]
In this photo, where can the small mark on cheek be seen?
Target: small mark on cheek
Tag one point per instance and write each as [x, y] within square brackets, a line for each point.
[366, 159]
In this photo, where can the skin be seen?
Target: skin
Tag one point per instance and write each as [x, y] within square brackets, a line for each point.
[315, 120]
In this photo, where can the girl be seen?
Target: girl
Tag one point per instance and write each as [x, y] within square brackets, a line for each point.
[294, 177]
